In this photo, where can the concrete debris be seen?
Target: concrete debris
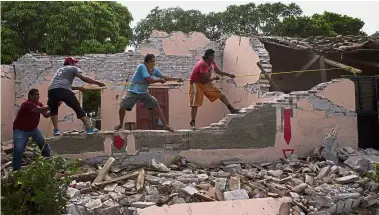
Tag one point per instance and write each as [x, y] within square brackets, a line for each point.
[158, 166]
[358, 163]
[315, 184]
[236, 195]
[331, 145]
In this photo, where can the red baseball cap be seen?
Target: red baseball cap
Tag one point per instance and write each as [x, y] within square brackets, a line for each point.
[71, 60]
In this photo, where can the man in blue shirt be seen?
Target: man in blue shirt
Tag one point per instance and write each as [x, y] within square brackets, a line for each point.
[145, 74]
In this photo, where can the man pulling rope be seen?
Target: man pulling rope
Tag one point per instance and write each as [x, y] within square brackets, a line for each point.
[60, 91]
[145, 74]
[25, 126]
[201, 85]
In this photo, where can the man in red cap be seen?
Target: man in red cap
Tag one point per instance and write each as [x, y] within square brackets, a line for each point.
[60, 91]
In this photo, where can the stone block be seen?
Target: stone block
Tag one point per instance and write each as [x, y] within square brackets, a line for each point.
[347, 179]
[220, 183]
[236, 195]
[358, 163]
[234, 183]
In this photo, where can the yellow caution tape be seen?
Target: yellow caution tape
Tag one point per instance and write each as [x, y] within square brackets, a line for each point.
[300, 71]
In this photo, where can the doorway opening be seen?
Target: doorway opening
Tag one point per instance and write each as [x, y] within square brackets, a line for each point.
[149, 120]
[367, 102]
[91, 103]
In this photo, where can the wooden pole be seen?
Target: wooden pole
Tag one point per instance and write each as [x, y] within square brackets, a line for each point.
[323, 72]
[342, 66]
[306, 66]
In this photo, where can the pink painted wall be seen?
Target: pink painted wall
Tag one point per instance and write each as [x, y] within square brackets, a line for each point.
[262, 206]
[7, 102]
[308, 127]
[239, 59]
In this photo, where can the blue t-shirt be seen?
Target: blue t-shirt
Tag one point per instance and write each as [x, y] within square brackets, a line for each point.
[138, 83]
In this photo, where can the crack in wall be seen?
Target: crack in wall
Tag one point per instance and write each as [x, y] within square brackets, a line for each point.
[324, 104]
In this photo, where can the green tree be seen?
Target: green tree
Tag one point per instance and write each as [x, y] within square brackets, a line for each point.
[63, 28]
[91, 101]
[376, 34]
[327, 24]
[169, 20]
[304, 26]
[267, 19]
[237, 18]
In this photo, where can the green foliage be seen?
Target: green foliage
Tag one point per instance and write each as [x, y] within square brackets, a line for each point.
[304, 26]
[267, 19]
[91, 100]
[169, 20]
[327, 24]
[373, 175]
[37, 189]
[63, 28]
[376, 34]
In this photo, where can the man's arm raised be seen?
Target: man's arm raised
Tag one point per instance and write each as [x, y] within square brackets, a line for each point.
[89, 80]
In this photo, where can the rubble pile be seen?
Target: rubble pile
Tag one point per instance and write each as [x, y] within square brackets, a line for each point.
[326, 44]
[331, 180]
[316, 185]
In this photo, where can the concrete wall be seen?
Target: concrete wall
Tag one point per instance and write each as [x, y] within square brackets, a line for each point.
[7, 102]
[256, 135]
[176, 55]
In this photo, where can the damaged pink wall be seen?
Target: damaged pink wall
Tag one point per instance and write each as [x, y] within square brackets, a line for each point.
[240, 59]
[309, 126]
[7, 102]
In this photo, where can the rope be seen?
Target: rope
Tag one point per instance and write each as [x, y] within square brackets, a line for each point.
[47, 132]
[299, 71]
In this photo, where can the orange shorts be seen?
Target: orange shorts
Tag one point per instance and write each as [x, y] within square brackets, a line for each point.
[197, 92]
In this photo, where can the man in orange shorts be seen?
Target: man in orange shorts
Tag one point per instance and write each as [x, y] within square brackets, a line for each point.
[201, 85]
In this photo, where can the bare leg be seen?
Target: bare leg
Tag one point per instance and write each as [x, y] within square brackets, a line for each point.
[54, 120]
[193, 113]
[228, 105]
[161, 116]
[121, 114]
[224, 100]
[193, 117]
[85, 122]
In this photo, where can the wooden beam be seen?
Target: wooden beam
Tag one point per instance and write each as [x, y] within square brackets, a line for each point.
[126, 176]
[323, 72]
[104, 170]
[342, 66]
[367, 63]
[306, 66]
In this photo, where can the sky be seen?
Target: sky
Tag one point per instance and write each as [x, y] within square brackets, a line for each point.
[367, 11]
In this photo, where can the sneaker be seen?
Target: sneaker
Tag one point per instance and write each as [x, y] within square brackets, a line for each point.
[56, 132]
[192, 124]
[92, 130]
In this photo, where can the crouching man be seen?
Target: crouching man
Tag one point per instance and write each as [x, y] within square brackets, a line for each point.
[25, 126]
[145, 74]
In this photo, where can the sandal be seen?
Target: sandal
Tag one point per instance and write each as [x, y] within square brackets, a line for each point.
[117, 127]
[235, 111]
[168, 128]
